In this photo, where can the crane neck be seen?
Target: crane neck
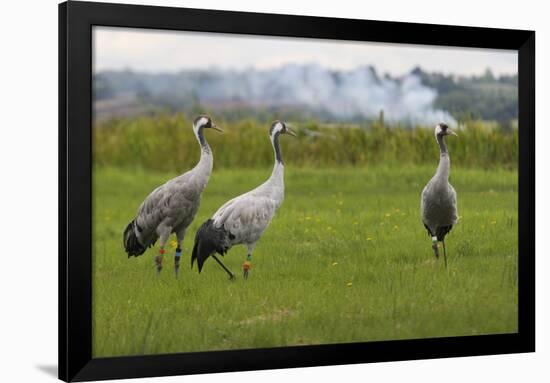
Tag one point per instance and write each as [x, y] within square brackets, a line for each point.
[442, 144]
[207, 160]
[199, 134]
[277, 148]
[444, 166]
[278, 167]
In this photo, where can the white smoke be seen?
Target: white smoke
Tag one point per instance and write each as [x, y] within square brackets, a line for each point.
[332, 95]
[357, 93]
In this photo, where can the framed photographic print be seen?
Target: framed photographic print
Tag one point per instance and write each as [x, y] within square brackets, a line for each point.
[247, 191]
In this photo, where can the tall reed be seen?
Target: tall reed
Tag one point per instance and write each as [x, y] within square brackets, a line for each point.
[166, 143]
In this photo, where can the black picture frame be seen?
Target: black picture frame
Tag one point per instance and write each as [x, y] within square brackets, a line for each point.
[75, 190]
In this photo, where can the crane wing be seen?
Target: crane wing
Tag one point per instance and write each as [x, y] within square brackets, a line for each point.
[246, 217]
[438, 205]
[168, 203]
[149, 214]
[454, 215]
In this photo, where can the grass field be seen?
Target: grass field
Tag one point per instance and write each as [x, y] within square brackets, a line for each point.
[345, 259]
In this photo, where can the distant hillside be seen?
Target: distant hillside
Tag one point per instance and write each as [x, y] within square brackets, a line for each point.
[308, 91]
[486, 97]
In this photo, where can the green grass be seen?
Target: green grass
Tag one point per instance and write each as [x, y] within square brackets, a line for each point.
[345, 259]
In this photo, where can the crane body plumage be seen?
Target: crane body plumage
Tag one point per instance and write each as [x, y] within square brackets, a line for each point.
[243, 219]
[171, 207]
[438, 203]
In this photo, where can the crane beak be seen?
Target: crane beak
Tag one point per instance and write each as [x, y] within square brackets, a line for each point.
[291, 132]
[215, 127]
[452, 132]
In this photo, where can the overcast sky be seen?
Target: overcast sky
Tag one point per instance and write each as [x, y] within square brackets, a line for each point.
[158, 51]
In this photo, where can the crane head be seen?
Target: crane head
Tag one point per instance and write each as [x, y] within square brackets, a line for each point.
[204, 122]
[443, 129]
[279, 127]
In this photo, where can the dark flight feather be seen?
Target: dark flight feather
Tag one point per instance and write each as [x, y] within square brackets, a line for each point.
[441, 232]
[209, 240]
[131, 242]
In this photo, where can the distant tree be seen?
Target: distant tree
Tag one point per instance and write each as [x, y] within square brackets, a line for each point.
[102, 89]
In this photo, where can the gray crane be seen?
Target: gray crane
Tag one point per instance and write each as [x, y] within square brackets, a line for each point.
[243, 219]
[171, 207]
[438, 201]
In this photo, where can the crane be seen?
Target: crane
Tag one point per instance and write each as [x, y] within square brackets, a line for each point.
[243, 219]
[438, 204]
[171, 207]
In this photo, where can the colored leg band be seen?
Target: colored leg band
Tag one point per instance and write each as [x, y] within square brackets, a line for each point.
[162, 251]
[249, 257]
[434, 239]
[178, 253]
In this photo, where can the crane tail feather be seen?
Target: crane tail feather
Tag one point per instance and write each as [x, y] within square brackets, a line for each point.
[132, 246]
[208, 240]
[442, 231]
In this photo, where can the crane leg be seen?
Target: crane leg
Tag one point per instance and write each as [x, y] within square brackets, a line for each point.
[177, 255]
[231, 275]
[159, 258]
[444, 253]
[434, 246]
[247, 265]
